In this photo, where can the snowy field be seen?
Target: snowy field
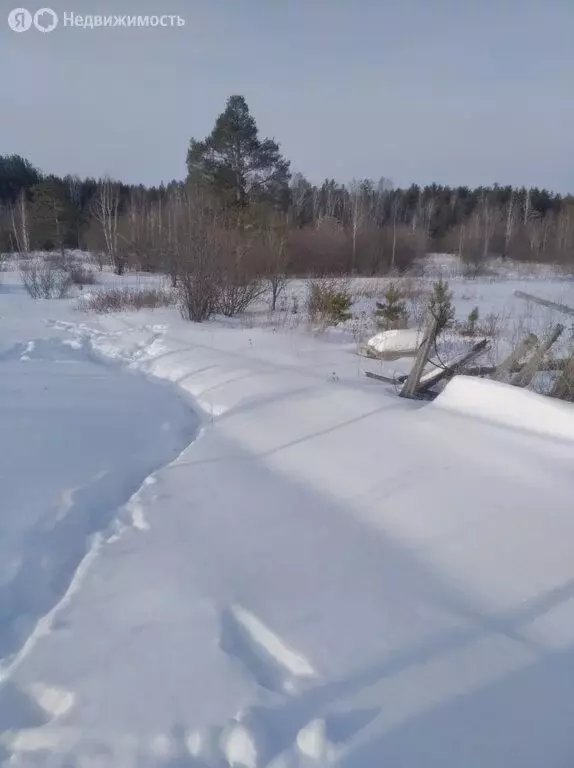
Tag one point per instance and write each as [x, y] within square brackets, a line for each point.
[222, 545]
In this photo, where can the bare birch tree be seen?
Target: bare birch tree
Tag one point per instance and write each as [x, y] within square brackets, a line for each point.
[357, 201]
[105, 209]
[20, 227]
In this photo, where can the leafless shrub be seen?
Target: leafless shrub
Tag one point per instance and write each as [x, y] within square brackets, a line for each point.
[243, 263]
[284, 317]
[472, 269]
[475, 326]
[271, 241]
[198, 250]
[368, 288]
[417, 308]
[81, 275]
[77, 271]
[100, 259]
[198, 297]
[43, 279]
[361, 325]
[490, 326]
[237, 296]
[323, 249]
[127, 299]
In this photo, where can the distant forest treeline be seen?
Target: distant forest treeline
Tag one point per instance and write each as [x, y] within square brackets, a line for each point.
[363, 227]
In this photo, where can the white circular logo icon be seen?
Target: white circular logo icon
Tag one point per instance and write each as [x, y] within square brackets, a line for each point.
[45, 20]
[20, 20]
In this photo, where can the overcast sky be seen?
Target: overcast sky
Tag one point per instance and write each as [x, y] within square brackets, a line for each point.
[452, 91]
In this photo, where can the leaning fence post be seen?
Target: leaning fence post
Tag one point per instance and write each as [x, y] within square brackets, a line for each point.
[508, 365]
[411, 385]
[564, 385]
[532, 366]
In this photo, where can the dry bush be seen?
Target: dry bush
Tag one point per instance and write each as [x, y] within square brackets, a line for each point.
[236, 295]
[283, 317]
[220, 267]
[269, 252]
[369, 288]
[476, 327]
[100, 259]
[416, 295]
[327, 249]
[127, 299]
[361, 325]
[241, 267]
[77, 270]
[198, 248]
[472, 269]
[43, 279]
[198, 296]
[323, 249]
[81, 275]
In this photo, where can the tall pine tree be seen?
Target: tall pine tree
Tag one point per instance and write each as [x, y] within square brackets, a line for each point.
[235, 164]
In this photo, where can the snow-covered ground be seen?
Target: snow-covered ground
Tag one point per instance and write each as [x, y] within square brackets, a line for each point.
[287, 565]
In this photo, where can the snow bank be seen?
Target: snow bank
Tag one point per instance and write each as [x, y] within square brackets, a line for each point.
[508, 405]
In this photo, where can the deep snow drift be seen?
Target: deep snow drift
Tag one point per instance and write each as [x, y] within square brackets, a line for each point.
[328, 575]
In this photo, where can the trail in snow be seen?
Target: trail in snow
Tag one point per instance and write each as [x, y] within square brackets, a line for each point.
[74, 448]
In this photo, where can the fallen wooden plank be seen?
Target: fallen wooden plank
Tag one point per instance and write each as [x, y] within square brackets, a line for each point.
[411, 385]
[507, 365]
[534, 364]
[544, 302]
[387, 379]
[452, 367]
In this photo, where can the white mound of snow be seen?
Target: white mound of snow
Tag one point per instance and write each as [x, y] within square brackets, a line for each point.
[404, 341]
[508, 405]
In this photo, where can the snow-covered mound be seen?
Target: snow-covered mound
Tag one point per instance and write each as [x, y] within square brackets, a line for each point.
[508, 405]
[395, 343]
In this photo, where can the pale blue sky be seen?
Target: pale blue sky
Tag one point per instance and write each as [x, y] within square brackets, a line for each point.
[452, 91]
